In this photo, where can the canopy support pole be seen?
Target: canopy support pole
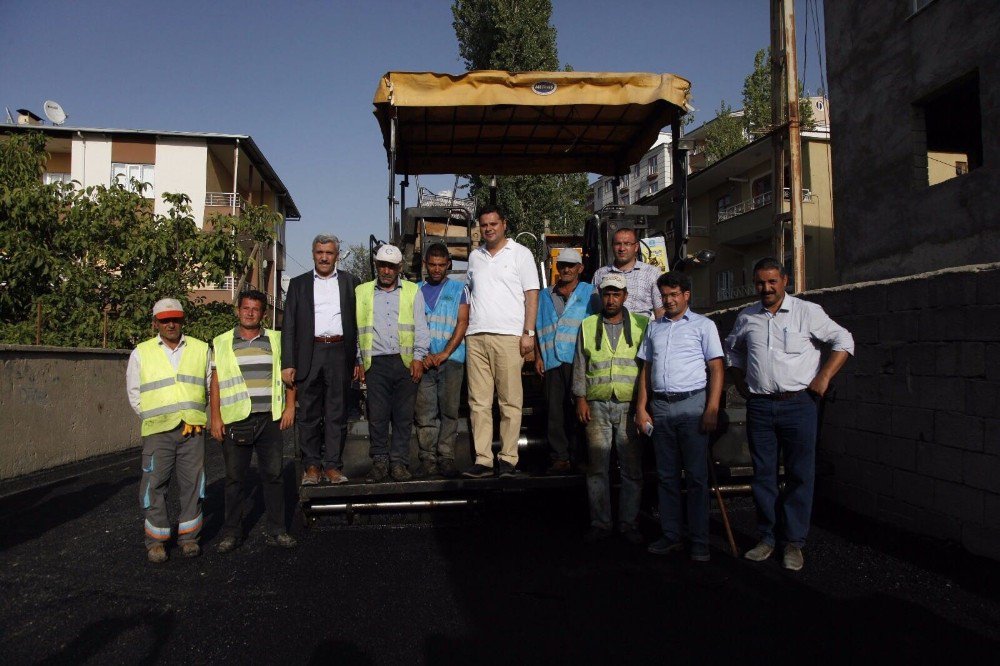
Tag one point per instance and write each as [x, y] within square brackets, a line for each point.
[393, 236]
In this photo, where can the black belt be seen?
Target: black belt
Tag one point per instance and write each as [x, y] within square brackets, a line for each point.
[780, 395]
[675, 397]
[328, 338]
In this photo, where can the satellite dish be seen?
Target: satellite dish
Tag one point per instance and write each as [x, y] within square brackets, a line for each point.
[54, 112]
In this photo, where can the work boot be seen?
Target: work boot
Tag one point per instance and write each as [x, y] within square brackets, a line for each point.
[664, 546]
[760, 552]
[310, 477]
[227, 545]
[595, 534]
[190, 549]
[632, 534]
[478, 471]
[699, 553]
[334, 476]
[283, 540]
[792, 559]
[156, 553]
[379, 472]
[447, 469]
[426, 470]
[399, 472]
[504, 468]
[559, 467]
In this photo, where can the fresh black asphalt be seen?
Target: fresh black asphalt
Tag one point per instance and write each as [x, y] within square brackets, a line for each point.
[509, 581]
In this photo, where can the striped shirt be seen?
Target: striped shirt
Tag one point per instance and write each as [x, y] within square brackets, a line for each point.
[254, 358]
[643, 295]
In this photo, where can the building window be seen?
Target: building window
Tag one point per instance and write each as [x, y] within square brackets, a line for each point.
[56, 177]
[635, 170]
[652, 165]
[624, 180]
[651, 189]
[625, 198]
[723, 202]
[949, 131]
[123, 174]
[760, 186]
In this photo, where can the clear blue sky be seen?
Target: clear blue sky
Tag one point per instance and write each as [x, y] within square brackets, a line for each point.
[300, 76]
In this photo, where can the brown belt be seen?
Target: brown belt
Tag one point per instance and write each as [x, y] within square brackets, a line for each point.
[328, 338]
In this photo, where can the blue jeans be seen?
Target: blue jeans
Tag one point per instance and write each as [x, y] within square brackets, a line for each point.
[611, 423]
[788, 426]
[680, 445]
[437, 411]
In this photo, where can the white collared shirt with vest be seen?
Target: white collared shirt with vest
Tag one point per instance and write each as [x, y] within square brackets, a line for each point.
[391, 322]
[170, 384]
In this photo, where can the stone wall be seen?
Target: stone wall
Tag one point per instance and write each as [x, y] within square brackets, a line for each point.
[60, 406]
[912, 437]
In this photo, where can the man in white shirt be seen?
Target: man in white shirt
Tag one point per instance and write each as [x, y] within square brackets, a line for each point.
[503, 301]
[775, 359]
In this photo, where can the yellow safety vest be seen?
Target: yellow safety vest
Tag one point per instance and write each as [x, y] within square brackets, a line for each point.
[168, 396]
[612, 375]
[234, 399]
[365, 300]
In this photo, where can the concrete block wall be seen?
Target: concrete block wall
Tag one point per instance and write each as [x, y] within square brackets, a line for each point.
[913, 436]
[60, 406]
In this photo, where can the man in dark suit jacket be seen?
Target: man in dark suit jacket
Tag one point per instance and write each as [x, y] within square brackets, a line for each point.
[319, 341]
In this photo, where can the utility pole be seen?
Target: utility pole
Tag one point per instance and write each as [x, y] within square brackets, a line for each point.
[785, 117]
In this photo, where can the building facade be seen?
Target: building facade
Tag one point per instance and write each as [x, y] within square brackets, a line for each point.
[916, 86]
[221, 173]
[651, 174]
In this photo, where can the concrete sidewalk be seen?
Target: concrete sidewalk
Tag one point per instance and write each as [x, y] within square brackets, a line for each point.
[509, 581]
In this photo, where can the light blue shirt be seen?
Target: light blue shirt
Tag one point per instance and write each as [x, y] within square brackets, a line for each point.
[780, 352]
[677, 351]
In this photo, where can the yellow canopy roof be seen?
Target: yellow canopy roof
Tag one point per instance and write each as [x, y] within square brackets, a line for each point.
[493, 122]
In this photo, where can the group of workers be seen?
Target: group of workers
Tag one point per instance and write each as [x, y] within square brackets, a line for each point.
[622, 358]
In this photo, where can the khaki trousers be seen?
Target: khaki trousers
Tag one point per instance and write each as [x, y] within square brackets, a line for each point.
[494, 362]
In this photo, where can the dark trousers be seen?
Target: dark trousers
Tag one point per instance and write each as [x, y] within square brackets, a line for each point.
[786, 428]
[438, 397]
[268, 445]
[391, 395]
[322, 398]
[563, 426]
[680, 445]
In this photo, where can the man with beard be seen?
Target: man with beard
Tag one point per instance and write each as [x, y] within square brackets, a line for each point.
[393, 341]
[447, 309]
[166, 382]
[561, 311]
[605, 371]
[673, 399]
[774, 356]
[250, 407]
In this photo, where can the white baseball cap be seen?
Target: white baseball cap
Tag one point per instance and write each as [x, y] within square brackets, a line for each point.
[168, 308]
[569, 255]
[389, 254]
[614, 280]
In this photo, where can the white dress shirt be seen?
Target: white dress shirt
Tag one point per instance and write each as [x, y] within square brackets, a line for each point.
[326, 305]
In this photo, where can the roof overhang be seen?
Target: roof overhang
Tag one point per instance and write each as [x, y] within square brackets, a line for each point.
[494, 122]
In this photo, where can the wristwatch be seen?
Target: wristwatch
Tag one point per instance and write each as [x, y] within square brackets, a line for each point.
[530, 334]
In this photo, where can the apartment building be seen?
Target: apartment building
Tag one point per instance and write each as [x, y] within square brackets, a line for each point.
[731, 212]
[650, 175]
[221, 173]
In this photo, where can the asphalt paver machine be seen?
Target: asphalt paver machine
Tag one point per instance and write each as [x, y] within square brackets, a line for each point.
[493, 123]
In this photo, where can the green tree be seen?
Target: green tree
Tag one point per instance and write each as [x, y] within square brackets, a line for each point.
[757, 98]
[84, 255]
[725, 135]
[517, 36]
[357, 261]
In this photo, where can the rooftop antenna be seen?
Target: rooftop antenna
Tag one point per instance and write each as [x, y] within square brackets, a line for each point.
[10, 118]
[54, 112]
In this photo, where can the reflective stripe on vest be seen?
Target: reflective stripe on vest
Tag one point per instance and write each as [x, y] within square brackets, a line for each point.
[443, 319]
[365, 299]
[166, 396]
[611, 375]
[557, 333]
[234, 399]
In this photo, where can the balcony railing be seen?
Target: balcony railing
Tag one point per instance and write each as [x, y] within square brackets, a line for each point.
[729, 212]
[225, 200]
[734, 293]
